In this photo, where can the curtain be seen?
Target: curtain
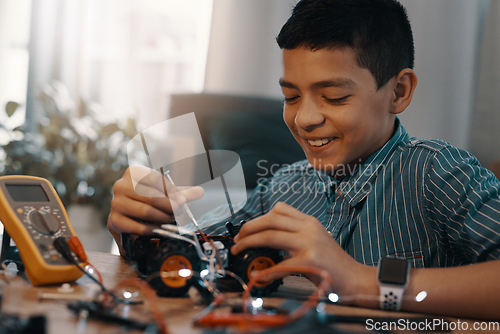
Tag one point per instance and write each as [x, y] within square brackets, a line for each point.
[125, 55]
[447, 42]
[485, 134]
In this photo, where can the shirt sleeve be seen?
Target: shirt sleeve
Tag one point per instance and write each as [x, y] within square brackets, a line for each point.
[463, 200]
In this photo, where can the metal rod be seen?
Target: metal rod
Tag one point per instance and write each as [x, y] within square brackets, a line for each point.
[185, 205]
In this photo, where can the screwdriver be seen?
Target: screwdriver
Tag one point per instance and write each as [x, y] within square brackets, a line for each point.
[185, 205]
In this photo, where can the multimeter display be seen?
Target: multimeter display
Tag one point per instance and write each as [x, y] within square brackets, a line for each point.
[34, 216]
[27, 193]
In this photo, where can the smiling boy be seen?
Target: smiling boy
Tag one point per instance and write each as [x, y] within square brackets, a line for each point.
[367, 190]
[357, 118]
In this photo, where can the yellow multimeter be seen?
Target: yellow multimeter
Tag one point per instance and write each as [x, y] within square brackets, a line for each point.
[33, 215]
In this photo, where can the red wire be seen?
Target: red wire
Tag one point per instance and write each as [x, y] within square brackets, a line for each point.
[77, 247]
[152, 299]
[320, 291]
[246, 321]
[203, 235]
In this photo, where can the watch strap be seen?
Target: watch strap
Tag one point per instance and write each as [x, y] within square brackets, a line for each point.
[391, 297]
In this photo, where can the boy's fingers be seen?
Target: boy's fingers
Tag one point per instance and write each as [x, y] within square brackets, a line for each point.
[192, 193]
[149, 183]
[284, 209]
[146, 191]
[181, 196]
[161, 213]
[127, 225]
[146, 177]
[272, 276]
[269, 238]
[273, 220]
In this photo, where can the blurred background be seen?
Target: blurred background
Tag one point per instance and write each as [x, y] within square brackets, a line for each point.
[79, 78]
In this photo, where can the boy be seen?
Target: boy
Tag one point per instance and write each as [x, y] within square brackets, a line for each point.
[366, 191]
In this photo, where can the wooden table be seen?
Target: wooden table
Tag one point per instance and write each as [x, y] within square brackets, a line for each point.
[23, 299]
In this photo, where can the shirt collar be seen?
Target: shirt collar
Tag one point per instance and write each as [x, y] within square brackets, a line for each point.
[330, 183]
[355, 186]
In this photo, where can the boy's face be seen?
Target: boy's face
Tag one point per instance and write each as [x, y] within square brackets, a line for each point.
[333, 108]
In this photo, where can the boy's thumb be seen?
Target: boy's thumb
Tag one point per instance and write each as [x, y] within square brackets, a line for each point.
[193, 193]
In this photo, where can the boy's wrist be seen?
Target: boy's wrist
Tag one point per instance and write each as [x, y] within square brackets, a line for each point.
[365, 290]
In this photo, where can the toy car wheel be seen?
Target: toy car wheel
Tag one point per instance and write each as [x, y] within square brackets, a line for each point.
[257, 260]
[174, 264]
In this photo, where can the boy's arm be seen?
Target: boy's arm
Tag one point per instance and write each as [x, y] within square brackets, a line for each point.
[462, 204]
[470, 291]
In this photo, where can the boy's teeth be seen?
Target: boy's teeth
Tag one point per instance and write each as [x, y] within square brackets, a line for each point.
[320, 142]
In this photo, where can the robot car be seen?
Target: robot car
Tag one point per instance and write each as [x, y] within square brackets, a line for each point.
[173, 259]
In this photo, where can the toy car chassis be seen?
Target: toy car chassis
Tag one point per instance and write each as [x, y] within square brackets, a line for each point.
[173, 260]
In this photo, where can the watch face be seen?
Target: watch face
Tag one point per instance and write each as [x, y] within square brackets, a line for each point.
[393, 271]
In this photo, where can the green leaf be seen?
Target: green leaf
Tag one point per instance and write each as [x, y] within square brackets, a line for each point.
[11, 107]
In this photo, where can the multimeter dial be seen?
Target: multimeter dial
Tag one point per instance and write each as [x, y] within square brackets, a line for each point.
[44, 221]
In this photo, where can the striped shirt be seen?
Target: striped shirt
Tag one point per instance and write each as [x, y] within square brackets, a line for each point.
[423, 200]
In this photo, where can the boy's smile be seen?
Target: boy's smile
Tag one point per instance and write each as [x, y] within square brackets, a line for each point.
[333, 108]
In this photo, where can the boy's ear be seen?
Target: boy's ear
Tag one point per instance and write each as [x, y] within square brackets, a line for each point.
[403, 88]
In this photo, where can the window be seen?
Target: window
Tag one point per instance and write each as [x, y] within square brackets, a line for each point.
[135, 53]
[14, 58]
[125, 55]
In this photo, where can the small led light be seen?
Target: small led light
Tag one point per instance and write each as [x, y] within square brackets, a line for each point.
[203, 273]
[127, 295]
[333, 297]
[257, 303]
[421, 296]
[184, 273]
[89, 269]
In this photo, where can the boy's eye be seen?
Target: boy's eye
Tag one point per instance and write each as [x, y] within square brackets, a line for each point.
[339, 101]
[290, 99]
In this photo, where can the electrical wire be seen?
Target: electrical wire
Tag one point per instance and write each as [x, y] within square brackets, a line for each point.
[151, 297]
[171, 231]
[77, 247]
[64, 248]
[246, 320]
[244, 286]
[313, 300]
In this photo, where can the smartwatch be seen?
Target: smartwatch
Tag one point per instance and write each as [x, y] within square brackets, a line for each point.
[393, 276]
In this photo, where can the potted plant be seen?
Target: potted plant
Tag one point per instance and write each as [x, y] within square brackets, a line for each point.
[77, 147]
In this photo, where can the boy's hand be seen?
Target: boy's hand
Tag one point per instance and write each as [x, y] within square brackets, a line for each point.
[139, 195]
[307, 242]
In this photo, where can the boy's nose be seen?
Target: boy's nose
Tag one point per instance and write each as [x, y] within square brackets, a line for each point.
[309, 116]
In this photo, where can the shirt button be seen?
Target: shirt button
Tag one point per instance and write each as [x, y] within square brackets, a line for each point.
[339, 192]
